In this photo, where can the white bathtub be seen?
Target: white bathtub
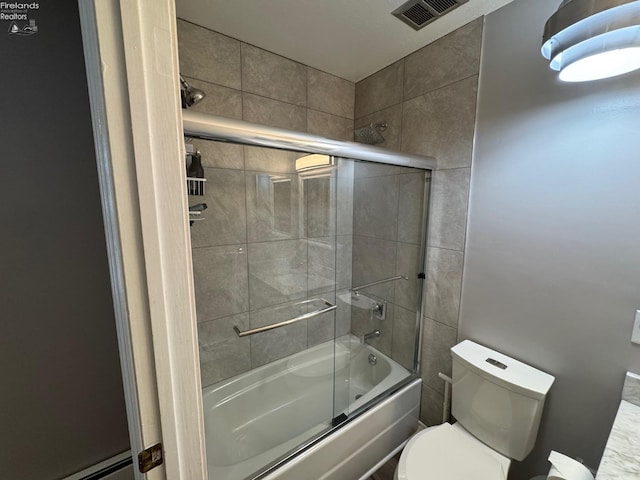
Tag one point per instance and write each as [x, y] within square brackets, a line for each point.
[256, 418]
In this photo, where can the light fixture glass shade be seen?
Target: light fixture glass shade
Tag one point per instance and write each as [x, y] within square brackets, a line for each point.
[593, 39]
[602, 65]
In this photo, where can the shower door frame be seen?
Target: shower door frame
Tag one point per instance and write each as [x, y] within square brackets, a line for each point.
[131, 54]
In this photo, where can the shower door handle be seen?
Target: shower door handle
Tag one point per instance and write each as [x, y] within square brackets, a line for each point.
[328, 308]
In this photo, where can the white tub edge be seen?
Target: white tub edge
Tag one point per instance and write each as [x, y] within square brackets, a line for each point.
[353, 450]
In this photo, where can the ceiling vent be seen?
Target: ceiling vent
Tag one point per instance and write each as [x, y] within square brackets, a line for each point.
[419, 13]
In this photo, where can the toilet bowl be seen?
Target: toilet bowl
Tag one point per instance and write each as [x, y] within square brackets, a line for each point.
[450, 452]
[498, 402]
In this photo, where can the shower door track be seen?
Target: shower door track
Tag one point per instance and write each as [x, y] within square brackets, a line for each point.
[212, 127]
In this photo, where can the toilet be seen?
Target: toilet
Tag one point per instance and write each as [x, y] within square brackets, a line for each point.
[497, 402]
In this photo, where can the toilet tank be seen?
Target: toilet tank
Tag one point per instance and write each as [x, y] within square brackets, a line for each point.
[497, 399]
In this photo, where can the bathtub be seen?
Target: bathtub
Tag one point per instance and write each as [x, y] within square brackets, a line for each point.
[260, 417]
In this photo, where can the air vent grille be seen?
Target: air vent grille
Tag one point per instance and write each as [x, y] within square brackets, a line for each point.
[419, 13]
[441, 6]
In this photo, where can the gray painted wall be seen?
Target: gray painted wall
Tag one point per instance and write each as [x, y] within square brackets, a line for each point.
[62, 406]
[552, 267]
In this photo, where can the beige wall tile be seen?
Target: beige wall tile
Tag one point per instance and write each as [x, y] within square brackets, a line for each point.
[208, 56]
[431, 406]
[441, 124]
[270, 75]
[437, 340]
[221, 283]
[330, 126]
[381, 90]
[273, 113]
[277, 272]
[225, 219]
[404, 337]
[444, 281]
[392, 116]
[222, 353]
[330, 94]
[445, 61]
[410, 207]
[448, 220]
[375, 207]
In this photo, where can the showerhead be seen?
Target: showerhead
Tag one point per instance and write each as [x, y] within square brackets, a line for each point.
[370, 134]
[190, 95]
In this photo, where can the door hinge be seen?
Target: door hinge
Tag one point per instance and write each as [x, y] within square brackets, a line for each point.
[422, 276]
[150, 458]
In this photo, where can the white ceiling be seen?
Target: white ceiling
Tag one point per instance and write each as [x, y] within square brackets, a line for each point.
[348, 38]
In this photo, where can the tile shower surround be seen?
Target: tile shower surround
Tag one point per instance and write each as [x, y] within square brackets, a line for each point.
[237, 252]
[428, 99]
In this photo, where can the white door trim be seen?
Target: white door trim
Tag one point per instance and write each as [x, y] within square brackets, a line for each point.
[134, 92]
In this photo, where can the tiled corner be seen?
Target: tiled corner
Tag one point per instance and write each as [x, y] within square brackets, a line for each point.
[448, 218]
[447, 60]
[381, 90]
[208, 56]
[392, 116]
[444, 284]
[330, 94]
[437, 340]
[431, 406]
[219, 100]
[441, 124]
[221, 283]
[224, 220]
[273, 113]
[330, 126]
[270, 75]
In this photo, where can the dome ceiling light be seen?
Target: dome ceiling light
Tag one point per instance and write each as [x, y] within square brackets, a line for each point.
[593, 39]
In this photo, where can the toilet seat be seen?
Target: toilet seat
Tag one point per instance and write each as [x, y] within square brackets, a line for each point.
[449, 452]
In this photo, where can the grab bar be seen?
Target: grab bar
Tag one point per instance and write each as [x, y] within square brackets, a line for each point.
[329, 307]
[398, 277]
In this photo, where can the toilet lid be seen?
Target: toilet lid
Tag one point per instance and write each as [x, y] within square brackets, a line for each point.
[449, 452]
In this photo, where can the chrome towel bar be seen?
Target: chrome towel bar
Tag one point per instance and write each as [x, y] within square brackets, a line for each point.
[328, 307]
[398, 277]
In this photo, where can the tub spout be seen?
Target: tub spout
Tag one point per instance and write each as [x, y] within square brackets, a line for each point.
[367, 336]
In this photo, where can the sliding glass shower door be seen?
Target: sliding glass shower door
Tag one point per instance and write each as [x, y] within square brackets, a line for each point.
[307, 279]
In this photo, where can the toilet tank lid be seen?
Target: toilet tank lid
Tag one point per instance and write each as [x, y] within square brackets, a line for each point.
[504, 370]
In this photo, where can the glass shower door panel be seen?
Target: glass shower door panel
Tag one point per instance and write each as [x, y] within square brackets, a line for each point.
[264, 260]
[388, 246]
